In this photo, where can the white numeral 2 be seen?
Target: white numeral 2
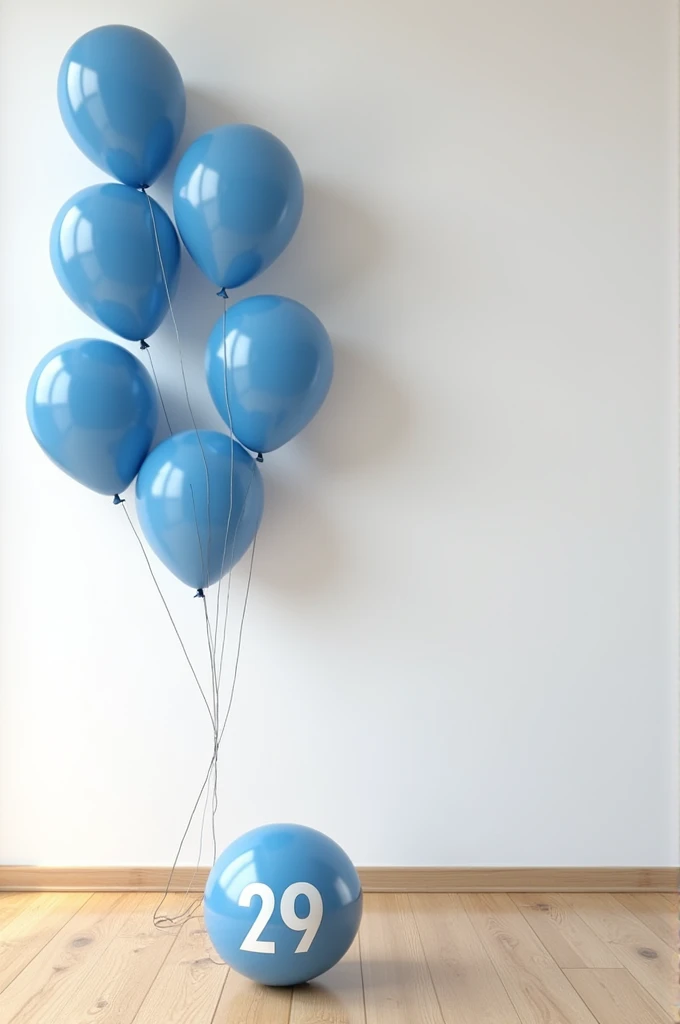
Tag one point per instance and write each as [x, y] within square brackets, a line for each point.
[309, 924]
[252, 942]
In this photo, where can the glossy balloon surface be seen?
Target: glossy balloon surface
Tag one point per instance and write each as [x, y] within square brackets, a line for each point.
[173, 491]
[104, 254]
[283, 904]
[238, 200]
[92, 408]
[122, 99]
[279, 365]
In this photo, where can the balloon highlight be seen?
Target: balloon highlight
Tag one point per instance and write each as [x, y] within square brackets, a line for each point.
[199, 502]
[122, 100]
[92, 408]
[104, 254]
[279, 366]
[238, 200]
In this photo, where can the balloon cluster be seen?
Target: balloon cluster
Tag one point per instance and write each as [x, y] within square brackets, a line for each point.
[237, 199]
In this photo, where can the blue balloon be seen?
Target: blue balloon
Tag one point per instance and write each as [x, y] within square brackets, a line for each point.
[238, 200]
[122, 99]
[173, 488]
[279, 366]
[92, 408]
[104, 253]
[283, 904]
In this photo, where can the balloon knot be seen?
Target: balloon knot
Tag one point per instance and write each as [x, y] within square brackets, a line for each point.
[260, 457]
[199, 593]
[143, 188]
[143, 344]
[117, 500]
[223, 293]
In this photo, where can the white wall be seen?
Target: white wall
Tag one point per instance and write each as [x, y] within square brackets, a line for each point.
[460, 643]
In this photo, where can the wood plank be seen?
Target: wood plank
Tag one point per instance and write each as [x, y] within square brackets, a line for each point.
[615, 997]
[568, 939]
[652, 909]
[244, 1002]
[650, 961]
[538, 988]
[115, 986]
[189, 984]
[397, 983]
[24, 935]
[336, 997]
[13, 903]
[373, 879]
[466, 982]
[61, 965]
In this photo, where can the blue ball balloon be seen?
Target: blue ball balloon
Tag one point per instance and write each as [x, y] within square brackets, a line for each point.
[104, 253]
[122, 99]
[279, 365]
[283, 904]
[92, 408]
[181, 479]
[238, 200]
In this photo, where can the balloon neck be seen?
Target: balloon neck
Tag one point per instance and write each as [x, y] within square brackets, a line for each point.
[143, 344]
[223, 293]
[117, 500]
[143, 188]
[199, 593]
[260, 457]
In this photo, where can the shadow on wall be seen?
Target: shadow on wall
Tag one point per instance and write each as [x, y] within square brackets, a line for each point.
[365, 416]
[361, 423]
[299, 549]
[334, 250]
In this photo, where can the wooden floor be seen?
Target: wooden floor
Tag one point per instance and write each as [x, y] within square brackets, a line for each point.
[79, 958]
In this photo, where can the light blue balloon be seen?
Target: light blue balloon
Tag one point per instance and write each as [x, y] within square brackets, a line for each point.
[122, 99]
[238, 200]
[92, 408]
[283, 904]
[279, 366]
[104, 253]
[172, 504]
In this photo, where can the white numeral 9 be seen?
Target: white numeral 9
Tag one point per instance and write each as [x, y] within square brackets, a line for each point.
[309, 924]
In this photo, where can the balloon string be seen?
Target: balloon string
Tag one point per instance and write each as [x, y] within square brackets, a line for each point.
[231, 503]
[216, 714]
[121, 502]
[205, 566]
[215, 727]
[164, 920]
[181, 364]
[161, 920]
[158, 389]
[240, 638]
[226, 606]
[218, 732]
[214, 683]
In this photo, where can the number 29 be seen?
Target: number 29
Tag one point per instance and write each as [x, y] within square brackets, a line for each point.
[309, 924]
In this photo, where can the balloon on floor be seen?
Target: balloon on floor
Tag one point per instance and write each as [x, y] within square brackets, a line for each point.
[92, 408]
[283, 904]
